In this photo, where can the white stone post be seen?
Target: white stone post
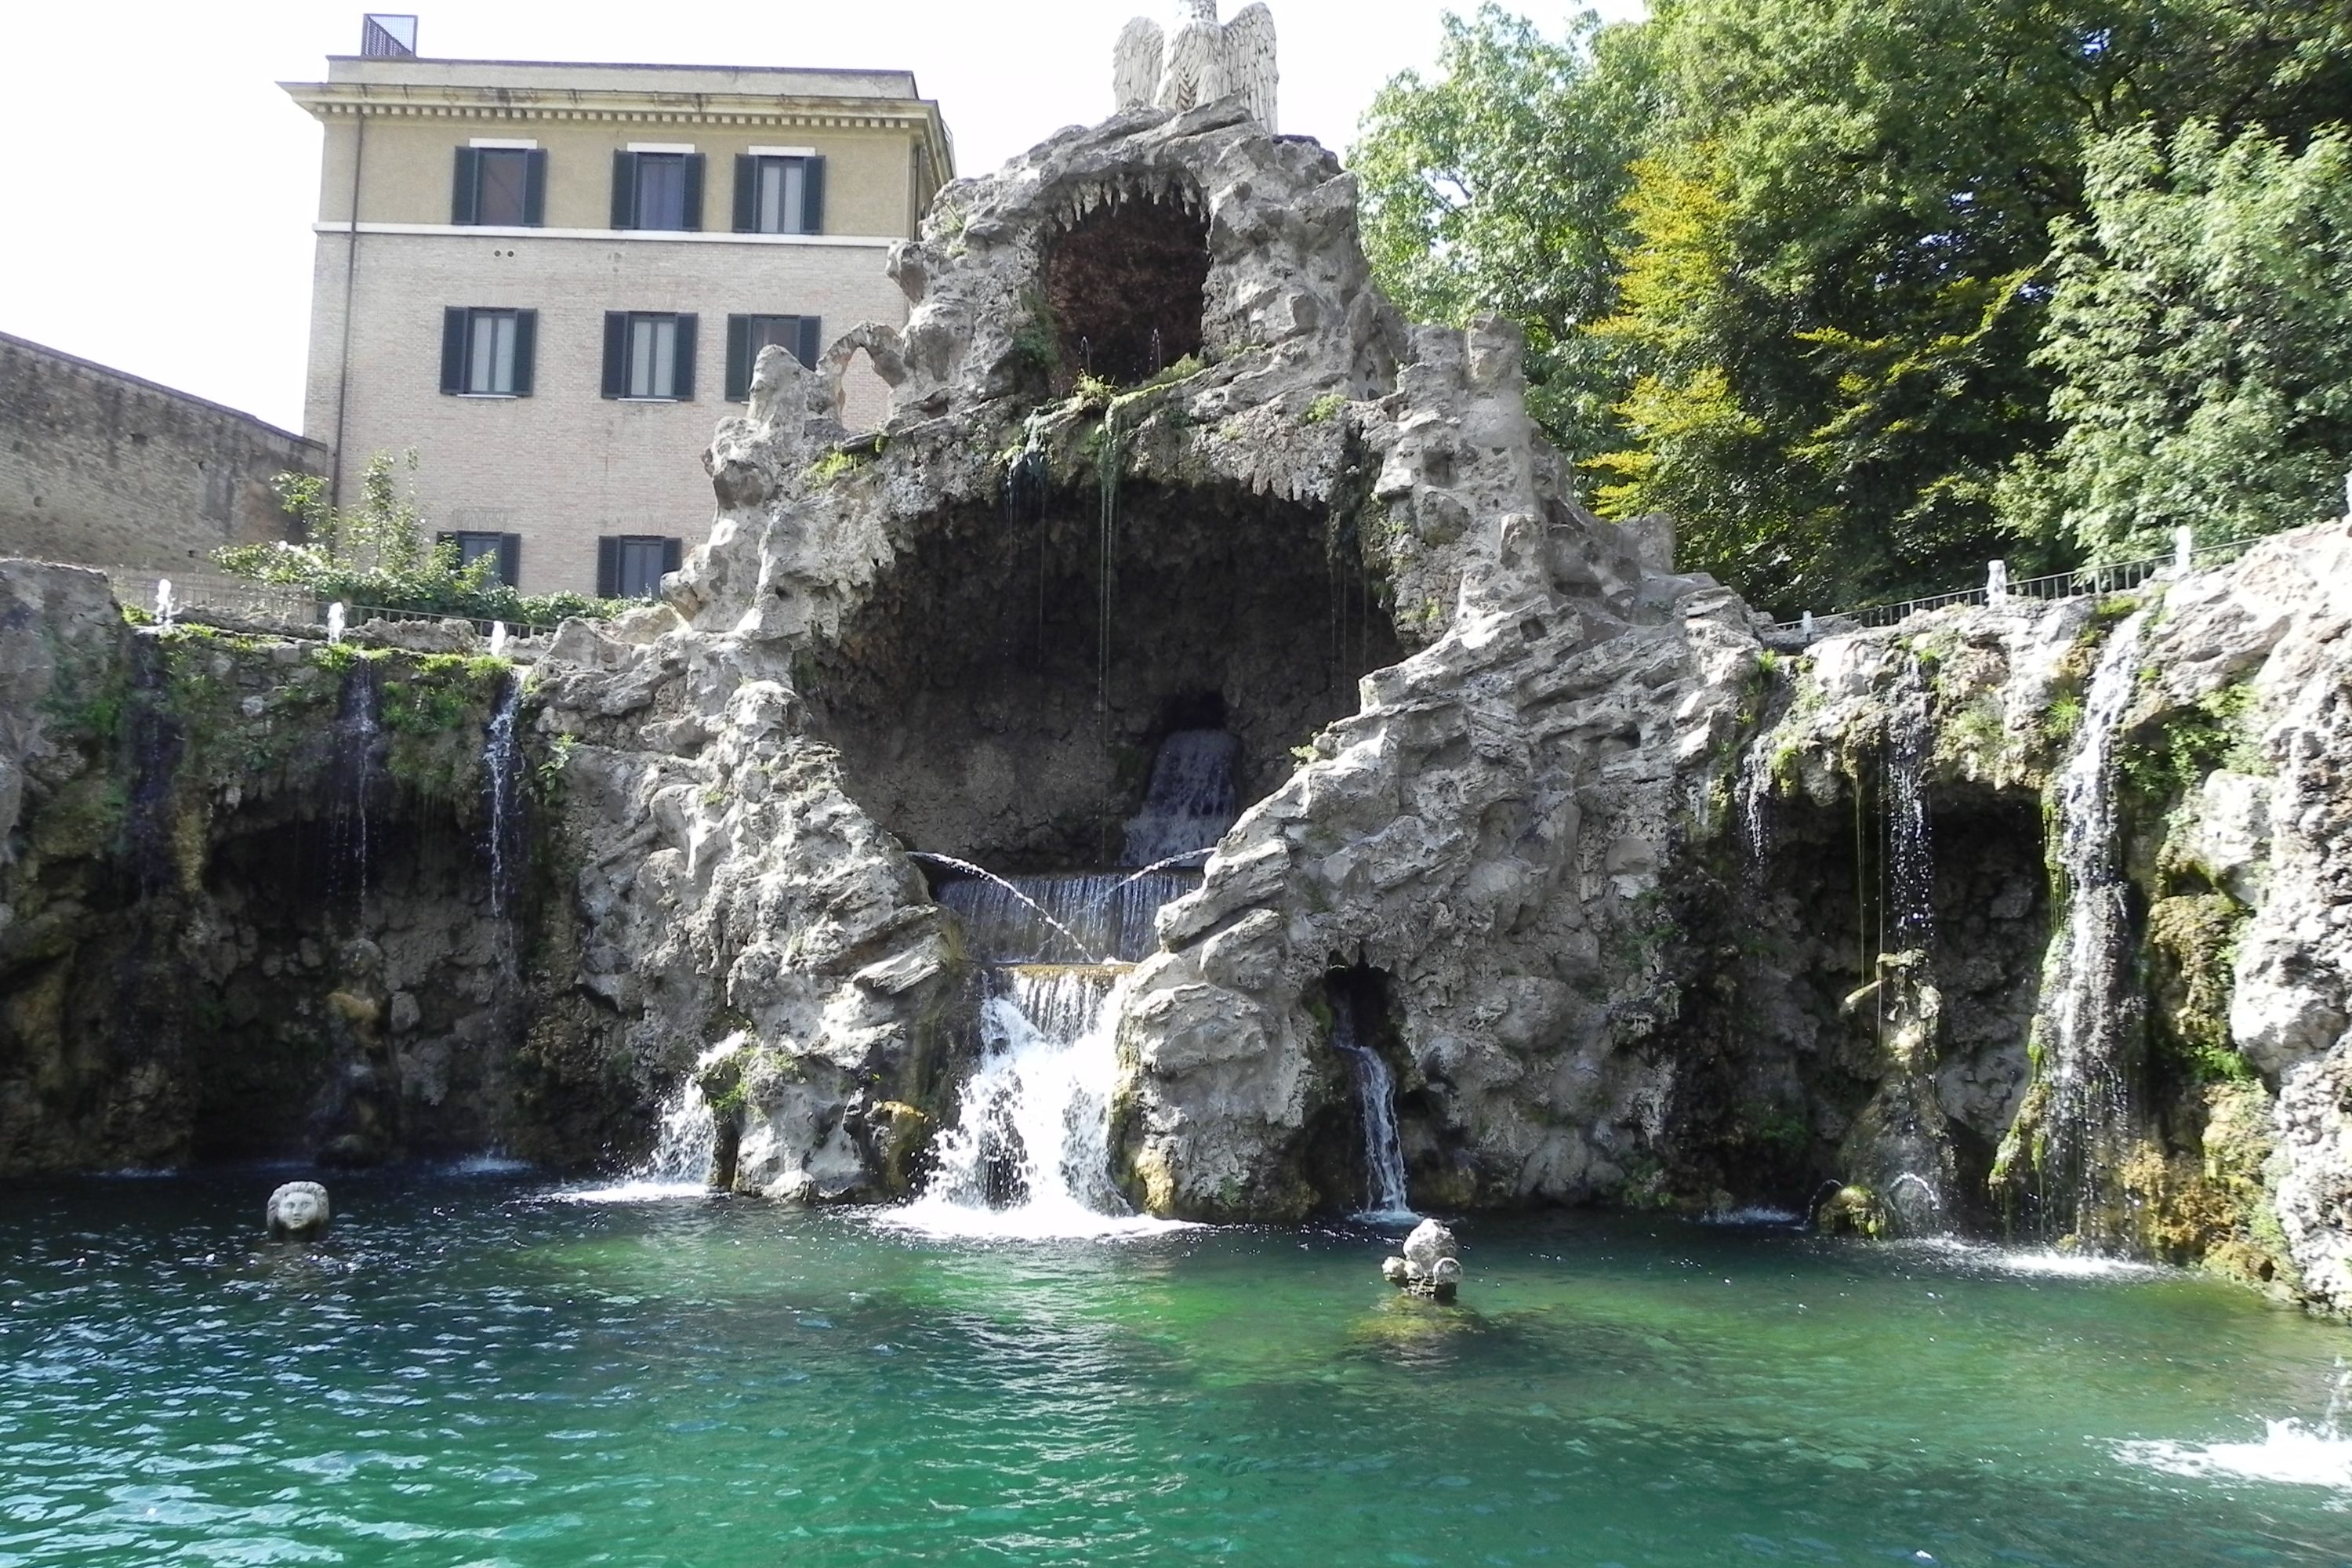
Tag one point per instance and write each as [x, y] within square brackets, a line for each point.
[1995, 582]
[2184, 548]
[1808, 624]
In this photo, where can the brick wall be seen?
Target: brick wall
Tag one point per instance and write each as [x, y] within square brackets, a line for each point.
[565, 465]
[106, 469]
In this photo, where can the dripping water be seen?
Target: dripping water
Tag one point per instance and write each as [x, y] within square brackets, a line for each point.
[358, 773]
[1113, 456]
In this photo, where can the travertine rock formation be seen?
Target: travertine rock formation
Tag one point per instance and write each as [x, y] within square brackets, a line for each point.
[1631, 908]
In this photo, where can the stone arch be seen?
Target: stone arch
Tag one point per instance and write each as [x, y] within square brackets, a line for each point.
[883, 350]
[1127, 286]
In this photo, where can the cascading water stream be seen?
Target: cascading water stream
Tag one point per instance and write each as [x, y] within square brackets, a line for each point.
[686, 1139]
[1189, 803]
[359, 776]
[1384, 1177]
[1029, 1152]
[1910, 851]
[2089, 1011]
[502, 796]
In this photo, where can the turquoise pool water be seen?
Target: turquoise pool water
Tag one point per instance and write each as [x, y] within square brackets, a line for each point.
[487, 1371]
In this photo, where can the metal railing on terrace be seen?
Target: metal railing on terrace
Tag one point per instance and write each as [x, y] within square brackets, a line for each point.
[2084, 581]
[215, 595]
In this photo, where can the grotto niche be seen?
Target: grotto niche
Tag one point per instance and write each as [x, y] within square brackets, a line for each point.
[1124, 287]
[1811, 1059]
[1002, 693]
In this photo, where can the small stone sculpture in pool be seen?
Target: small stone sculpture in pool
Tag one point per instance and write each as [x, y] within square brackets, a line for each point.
[1432, 1263]
[297, 1212]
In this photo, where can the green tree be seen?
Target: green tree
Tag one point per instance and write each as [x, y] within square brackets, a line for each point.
[1496, 187]
[375, 554]
[2201, 335]
[1831, 276]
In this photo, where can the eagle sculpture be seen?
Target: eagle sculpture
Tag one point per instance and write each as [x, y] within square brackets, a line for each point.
[1198, 60]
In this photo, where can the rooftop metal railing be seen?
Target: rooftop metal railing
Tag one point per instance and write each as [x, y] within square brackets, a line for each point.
[2084, 581]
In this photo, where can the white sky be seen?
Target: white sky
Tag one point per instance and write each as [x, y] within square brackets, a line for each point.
[163, 187]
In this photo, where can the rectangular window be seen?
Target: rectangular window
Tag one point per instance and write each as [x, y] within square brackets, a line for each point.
[779, 194]
[490, 353]
[657, 190]
[630, 566]
[505, 176]
[649, 355]
[653, 356]
[487, 352]
[503, 187]
[661, 190]
[505, 548]
[801, 336]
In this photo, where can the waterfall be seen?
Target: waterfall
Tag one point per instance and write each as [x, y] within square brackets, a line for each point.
[685, 1141]
[1384, 1181]
[359, 764]
[1085, 919]
[682, 1142]
[2090, 1012]
[1752, 798]
[1911, 854]
[502, 796]
[1191, 800]
[1029, 1152]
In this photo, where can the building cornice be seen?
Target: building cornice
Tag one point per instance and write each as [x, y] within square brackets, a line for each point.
[617, 236]
[334, 101]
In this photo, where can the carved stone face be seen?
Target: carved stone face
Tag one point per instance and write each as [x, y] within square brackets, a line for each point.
[298, 1209]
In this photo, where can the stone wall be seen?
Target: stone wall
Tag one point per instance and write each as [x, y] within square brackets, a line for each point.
[105, 469]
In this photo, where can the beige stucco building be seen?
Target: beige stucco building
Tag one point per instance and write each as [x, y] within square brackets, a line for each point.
[550, 280]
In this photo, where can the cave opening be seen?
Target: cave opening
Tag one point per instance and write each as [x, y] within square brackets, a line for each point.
[1790, 1048]
[352, 1010]
[1376, 1139]
[1126, 286]
[1006, 689]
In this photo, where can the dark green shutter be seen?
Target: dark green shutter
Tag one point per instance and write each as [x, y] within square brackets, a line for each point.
[466, 189]
[683, 389]
[738, 358]
[747, 194]
[453, 349]
[625, 192]
[812, 197]
[534, 188]
[526, 350]
[510, 560]
[810, 329]
[616, 346]
[693, 191]
[608, 568]
[673, 554]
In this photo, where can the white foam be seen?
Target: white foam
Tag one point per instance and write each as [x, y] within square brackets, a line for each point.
[491, 1164]
[2290, 1453]
[2037, 1262]
[1051, 1219]
[642, 1190]
[1754, 1213]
